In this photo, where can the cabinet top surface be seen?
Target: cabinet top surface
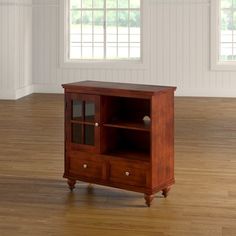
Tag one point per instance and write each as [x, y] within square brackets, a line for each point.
[105, 86]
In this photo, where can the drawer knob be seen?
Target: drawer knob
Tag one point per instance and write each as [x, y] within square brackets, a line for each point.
[85, 166]
[127, 173]
[96, 124]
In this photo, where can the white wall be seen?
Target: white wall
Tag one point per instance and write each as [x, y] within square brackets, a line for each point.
[179, 38]
[15, 48]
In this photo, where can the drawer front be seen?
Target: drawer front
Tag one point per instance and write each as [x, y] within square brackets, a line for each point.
[85, 167]
[128, 174]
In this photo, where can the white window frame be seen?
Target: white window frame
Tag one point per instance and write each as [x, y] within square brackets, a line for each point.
[66, 62]
[216, 64]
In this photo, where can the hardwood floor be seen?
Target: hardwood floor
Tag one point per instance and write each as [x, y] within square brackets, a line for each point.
[35, 199]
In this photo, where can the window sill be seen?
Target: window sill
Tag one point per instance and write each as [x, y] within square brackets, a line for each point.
[108, 64]
[224, 66]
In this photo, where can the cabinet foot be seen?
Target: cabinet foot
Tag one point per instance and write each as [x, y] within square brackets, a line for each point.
[71, 183]
[148, 199]
[165, 192]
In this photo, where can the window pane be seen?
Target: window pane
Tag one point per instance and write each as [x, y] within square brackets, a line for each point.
[123, 38]
[98, 3]
[89, 135]
[111, 52]
[77, 110]
[226, 49]
[111, 3]
[75, 52]
[75, 17]
[226, 3]
[123, 17]
[77, 133]
[226, 36]
[98, 30]
[98, 52]
[134, 3]
[123, 52]
[89, 111]
[234, 21]
[87, 3]
[98, 38]
[134, 30]
[234, 3]
[87, 52]
[75, 4]
[111, 38]
[75, 38]
[226, 20]
[134, 19]
[123, 3]
[87, 17]
[123, 30]
[98, 18]
[135, 38]
[87, 39]
[111, 18]
[234, 50]
[134, 52]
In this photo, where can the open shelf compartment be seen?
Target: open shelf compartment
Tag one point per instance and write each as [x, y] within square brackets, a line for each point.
[126, 113]
[125, 143]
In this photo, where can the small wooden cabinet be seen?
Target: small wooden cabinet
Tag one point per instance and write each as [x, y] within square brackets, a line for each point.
[120, 135]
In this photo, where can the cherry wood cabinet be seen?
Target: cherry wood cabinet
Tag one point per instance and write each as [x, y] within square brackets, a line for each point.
[120, 135]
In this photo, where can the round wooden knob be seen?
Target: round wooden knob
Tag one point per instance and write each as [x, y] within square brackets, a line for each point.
[85, 166]
[127, 173]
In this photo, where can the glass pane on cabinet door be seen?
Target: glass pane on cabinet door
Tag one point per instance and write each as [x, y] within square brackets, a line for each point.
[77, 133]
[89, 111]
[89, 135]
[77, 108]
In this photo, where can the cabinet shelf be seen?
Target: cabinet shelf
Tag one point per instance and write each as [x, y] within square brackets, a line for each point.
[130, 154]
[128, 125]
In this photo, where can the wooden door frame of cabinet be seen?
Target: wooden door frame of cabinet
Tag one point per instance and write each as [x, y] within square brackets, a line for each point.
[69, 97]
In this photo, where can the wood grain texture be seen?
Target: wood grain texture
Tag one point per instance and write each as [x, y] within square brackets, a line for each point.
[126, 109]
[34, 197]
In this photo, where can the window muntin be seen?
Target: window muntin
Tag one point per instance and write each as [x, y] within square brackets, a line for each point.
[227, 52]
[104, 29]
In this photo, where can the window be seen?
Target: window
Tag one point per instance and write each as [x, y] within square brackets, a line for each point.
[101, 31]
[223, 34]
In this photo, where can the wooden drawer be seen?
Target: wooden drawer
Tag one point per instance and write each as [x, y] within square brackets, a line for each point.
[85, 167]
[128, 174]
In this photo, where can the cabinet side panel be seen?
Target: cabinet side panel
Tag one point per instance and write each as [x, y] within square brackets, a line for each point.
[67, 130]
[162, 140]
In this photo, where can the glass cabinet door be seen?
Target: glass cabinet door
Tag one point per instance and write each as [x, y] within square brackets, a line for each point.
[84, 121]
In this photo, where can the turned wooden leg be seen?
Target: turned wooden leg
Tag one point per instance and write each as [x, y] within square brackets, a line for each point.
[165, 191]
[71, 183]
[148, 199]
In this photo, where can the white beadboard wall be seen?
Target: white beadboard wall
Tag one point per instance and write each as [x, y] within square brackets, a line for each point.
[179, 55]
[15, 48]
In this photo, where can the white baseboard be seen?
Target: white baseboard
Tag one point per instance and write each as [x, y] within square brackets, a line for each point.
[221, 93]
[47, 88]
[22, 92]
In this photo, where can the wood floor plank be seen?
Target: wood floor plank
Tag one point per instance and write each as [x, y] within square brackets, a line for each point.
[35, 200]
